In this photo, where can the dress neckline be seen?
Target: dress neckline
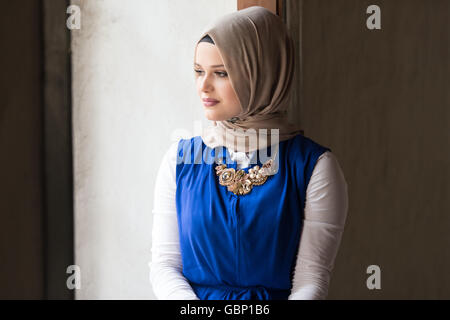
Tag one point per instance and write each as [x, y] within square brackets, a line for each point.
[233, 164]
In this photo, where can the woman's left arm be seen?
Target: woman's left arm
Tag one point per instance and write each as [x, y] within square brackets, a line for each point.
[326, 207]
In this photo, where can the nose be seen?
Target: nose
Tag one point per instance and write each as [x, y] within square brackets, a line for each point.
[206, 83]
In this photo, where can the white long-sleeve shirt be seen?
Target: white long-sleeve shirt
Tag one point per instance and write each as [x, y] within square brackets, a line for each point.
[325, 213]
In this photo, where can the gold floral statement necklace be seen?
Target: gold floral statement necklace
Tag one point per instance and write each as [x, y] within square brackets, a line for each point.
[241, 183]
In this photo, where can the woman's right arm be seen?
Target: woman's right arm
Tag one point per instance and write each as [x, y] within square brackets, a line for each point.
[166, 265]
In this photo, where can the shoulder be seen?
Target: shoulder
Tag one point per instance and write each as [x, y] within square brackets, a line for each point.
[328, 168]
[169, 159]
[327, 192]
[171, 152]
[170, 155]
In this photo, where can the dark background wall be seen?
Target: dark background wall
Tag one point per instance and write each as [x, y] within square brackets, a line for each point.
[21, 141]
[36, 207]
[380, 100]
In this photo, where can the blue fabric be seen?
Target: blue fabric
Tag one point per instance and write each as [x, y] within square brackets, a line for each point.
[241, 247]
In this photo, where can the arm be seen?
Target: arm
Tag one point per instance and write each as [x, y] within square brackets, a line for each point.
[326, 209]
[166, 265]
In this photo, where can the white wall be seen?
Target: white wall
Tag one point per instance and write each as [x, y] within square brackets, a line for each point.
[133, 87]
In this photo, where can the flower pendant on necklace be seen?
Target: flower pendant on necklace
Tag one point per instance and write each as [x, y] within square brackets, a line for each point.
[241, 183]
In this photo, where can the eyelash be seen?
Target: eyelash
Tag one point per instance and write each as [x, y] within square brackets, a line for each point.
[220, 73]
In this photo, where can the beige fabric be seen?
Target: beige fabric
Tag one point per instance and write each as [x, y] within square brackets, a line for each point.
[258, 54]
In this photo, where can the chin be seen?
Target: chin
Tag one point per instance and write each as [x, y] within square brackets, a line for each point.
[213, 117]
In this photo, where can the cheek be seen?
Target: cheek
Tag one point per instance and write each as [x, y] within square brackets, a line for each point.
[229, 93]
[233, 100]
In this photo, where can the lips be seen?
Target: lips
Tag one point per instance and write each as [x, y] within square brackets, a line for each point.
[209, 102]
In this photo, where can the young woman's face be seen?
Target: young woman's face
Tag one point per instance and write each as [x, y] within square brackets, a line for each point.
[214, 84]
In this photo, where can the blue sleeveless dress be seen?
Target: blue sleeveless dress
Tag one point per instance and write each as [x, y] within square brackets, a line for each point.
[241, 247]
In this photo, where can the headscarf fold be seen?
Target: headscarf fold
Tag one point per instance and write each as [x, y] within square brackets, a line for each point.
[258, 54]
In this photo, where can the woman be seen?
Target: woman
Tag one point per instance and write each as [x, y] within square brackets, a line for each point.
[243, 226]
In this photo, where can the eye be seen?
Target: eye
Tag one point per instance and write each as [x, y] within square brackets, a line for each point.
[222, 74]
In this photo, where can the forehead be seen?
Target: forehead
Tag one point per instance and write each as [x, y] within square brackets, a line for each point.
[207, 55]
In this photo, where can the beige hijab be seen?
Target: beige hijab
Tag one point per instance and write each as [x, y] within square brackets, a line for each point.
[258, 54]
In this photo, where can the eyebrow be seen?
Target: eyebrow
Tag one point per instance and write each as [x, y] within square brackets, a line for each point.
[214, 66]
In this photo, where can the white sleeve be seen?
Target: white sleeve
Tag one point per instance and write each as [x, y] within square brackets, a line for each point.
[326, 207]
[165, 266]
